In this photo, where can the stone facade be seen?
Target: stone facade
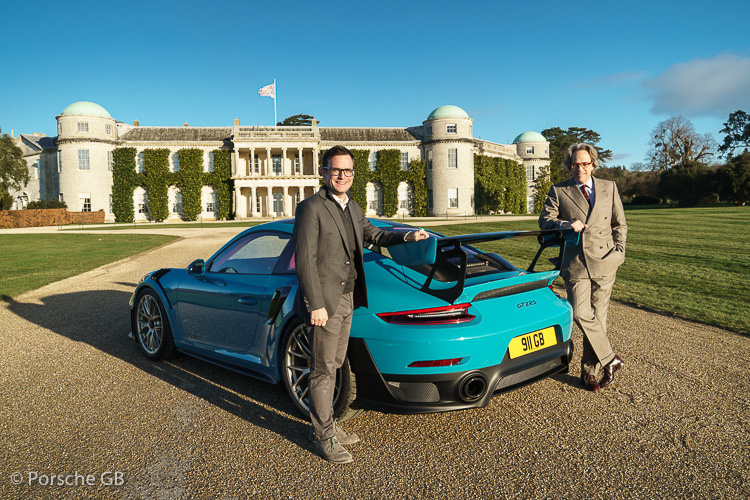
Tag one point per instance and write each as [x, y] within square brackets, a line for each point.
[273, 168]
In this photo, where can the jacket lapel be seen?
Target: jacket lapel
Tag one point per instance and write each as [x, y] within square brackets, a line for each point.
[336, 216]
[576, 196]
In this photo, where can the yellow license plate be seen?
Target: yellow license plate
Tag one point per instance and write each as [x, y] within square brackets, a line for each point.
[532, 342]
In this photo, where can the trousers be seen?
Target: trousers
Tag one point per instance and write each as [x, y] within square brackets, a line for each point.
[590, 301]
[328, 351]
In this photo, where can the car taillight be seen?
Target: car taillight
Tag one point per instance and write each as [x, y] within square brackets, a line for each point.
[553, 291]
[447, 315]
[436, 363]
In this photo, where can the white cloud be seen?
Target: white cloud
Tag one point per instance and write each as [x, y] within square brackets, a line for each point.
[703, 87]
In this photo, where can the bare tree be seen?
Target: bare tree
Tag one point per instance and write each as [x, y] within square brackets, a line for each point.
[675, 142]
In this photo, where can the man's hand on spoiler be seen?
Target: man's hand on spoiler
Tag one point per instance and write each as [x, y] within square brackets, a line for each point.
[420, 234]
[575, 225]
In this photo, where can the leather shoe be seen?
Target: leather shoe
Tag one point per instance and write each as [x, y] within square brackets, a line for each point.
[609, 371]
[590, 382]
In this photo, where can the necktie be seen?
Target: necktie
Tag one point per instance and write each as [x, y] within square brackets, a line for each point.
[585, 194]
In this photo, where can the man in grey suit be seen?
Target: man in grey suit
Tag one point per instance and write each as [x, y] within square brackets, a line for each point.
[593, 207]
[329, 232]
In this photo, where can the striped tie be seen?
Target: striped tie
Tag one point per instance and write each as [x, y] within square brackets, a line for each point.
[585, 194]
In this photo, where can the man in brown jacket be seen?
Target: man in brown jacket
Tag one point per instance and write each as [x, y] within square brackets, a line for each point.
[593, 207]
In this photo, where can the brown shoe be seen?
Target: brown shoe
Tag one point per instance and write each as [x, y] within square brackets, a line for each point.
[609, 371]
[331, 450]
[589, 381]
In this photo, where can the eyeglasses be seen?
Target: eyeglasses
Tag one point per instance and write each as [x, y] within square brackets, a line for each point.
[586, 164]
[348, 172]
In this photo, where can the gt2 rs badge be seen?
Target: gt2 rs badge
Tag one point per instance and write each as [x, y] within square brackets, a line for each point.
[526, 304]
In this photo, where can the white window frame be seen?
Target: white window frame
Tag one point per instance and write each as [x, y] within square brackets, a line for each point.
[108, 129]
[404, 160]
[84, 160]
[175, 162]
[84, 202]
[110, 160]
[451, 128]
[529, 172]
[372, 160]
[529, 150]
[452, 201]
[452, 157]
[83, 127]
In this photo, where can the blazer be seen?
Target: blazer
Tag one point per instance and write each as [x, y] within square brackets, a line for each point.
[602, 246]
[322, 252]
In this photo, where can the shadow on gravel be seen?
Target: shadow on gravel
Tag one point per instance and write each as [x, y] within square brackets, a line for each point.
[101, 319]
[568, 379]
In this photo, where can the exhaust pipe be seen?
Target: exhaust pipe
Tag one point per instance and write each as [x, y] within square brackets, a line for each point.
[473, 387]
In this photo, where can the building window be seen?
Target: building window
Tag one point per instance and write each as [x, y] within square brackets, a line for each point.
[108, 129]
[373, 160]
[429, 199]
[141, 162]
[257, 203]
[143, 204]
[110, 160]
[276, 165]
[177, 205]
[404, 160]
[84, 202]
[59, 128]
[529, 150]
[429, 159]
[428, 131]
[256, 163]
[278, 203]
[59, 161]
[110, 204]
[453, 198]
[175, 162]
[61, 198]
[530, 172]
[296, 198]
[83, 127]
[210, 161]
[376, 204]
[452, 128]
[83, 159]
[297, 165]
[210, 206]
[453, 158]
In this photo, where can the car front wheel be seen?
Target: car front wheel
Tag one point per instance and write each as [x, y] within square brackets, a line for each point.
[152, 328]
[295, 376]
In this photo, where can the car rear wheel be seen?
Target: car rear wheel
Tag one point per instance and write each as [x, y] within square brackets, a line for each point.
[152, 330]
[295, 376]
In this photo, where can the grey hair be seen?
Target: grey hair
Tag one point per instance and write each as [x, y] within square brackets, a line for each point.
[591, 150]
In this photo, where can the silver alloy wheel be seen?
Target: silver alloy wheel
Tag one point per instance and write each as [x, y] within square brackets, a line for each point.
[149, 323]
[297, 356]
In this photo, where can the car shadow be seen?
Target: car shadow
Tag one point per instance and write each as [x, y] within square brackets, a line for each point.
[101, 319]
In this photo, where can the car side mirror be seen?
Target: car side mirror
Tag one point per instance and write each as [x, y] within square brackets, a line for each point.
[197, 268]
[415, 253]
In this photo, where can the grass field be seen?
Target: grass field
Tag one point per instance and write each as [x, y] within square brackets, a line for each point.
[693, 262]
[29, 261]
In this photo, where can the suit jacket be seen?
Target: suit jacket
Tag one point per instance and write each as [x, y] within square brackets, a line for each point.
[602, 246]
[322, 252]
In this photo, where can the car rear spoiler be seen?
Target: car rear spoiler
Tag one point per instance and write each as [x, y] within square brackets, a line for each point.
[436, 251]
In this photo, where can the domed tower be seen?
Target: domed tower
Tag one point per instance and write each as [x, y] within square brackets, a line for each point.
[86, 135]
[533, 149]
[449, 152]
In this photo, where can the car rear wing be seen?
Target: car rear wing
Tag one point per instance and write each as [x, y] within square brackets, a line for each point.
[435, 252]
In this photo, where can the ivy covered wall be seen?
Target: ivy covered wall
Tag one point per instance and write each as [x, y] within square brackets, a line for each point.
[499, 185]
[156, 180]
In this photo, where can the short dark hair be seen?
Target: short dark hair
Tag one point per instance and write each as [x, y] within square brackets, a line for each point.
[336, 151]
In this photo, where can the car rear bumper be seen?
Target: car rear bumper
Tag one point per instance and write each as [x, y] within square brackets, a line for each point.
[409, 394]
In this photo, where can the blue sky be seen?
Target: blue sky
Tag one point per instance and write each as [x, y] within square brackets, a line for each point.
[615, 67]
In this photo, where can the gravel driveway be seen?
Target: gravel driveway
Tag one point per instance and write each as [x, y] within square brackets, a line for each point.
[79, 402]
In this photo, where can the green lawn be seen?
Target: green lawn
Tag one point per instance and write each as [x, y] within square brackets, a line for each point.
[30, 261]
[690, 262]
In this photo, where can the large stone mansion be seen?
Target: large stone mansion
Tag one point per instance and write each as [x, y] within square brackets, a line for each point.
[273, 168]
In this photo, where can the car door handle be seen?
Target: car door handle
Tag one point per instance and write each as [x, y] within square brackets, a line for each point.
[248, 301]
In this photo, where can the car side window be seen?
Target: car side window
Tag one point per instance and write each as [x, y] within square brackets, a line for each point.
[256, 253]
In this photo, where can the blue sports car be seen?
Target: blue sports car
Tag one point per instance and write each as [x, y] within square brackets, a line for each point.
[448, 326]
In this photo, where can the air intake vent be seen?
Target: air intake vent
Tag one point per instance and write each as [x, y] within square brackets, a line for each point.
[511, 290]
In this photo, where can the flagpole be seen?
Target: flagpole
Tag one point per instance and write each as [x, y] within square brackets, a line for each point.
[274, 102]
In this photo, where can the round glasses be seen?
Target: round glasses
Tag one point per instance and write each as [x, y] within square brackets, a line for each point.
[348, 172]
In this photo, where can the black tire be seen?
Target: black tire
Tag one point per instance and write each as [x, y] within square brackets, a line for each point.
[295, 375]
[151, 327]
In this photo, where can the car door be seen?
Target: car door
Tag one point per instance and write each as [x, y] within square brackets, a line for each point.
[222, 309]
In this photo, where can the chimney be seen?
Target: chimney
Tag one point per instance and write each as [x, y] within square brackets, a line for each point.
[236, 122]
[135, 123]
[11, 133]
[186, 124]
[314, 122]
